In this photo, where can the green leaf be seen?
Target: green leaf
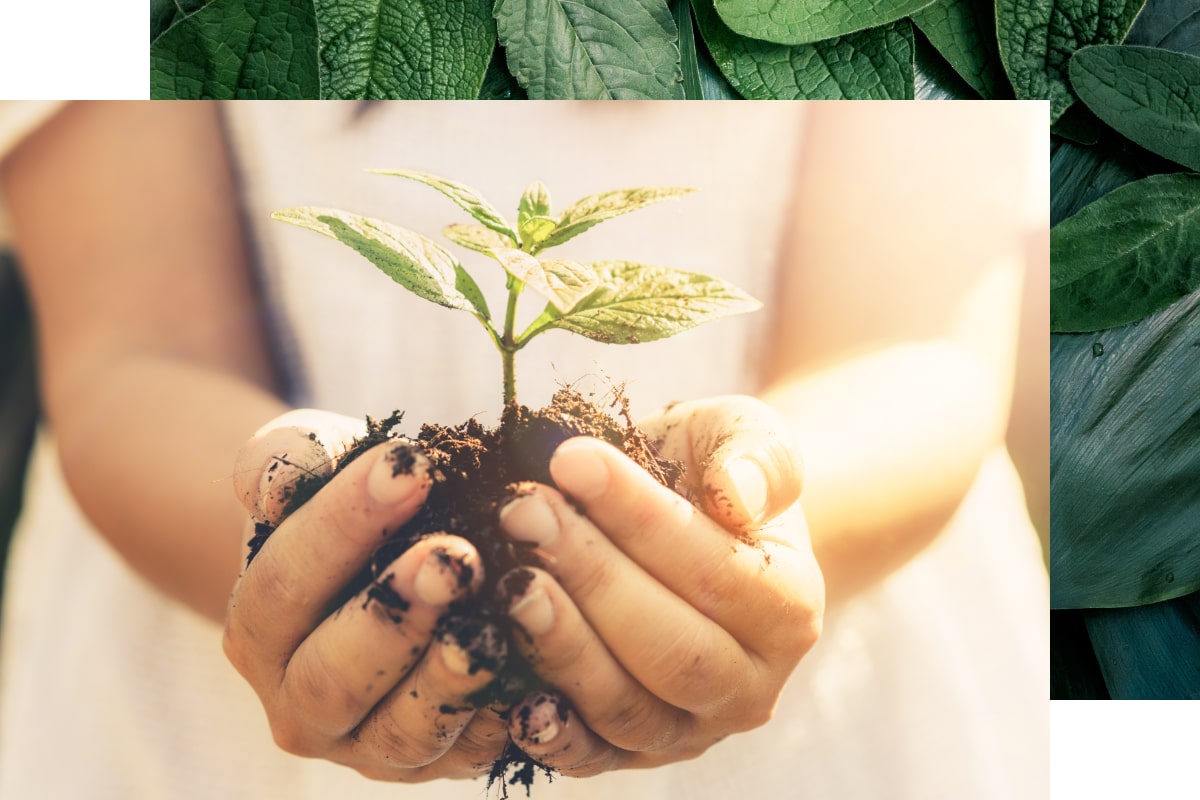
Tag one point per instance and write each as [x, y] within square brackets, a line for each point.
[498, 82]
[933, 77]
[641, 303]
[591, 211]
[238, 49]
[689, 58]
[1169, 24]
[535, 202]
[534, 222]
[1080, 176]
[1148, 95]
[563, 283]
[702, 80]
[591, 49]
[404, 49]
[875, 64]
[165, 13]
[808, 21]
[1074, 672]
[1125, 256]
[1037, 38]
[1079, 125]
[463, 196]
[418, 264]
[1124, 458]
[964, 32]
[1150, 652]
[476, 237]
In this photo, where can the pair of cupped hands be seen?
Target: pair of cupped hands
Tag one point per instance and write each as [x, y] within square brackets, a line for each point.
[663, 626]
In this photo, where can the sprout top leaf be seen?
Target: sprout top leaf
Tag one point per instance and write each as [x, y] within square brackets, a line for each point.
[619, 302]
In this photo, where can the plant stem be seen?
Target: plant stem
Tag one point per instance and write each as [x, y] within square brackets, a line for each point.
[508, 346]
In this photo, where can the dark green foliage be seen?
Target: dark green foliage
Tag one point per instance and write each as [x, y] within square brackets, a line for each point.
[1125, 418]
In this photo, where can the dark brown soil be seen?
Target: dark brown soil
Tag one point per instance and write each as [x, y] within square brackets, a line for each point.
[475, 471]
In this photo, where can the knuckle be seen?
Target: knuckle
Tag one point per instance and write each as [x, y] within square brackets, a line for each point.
[592, 577]
[639, 726]
[399, 746]
[696, 679]
[318, 691]
[289, 738]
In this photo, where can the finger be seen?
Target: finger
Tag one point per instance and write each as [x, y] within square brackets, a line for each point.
[286, 592]
[548, 731]
[423, 718]
[355, 657]
[767, 593]
[478, 746]
[677, 653]
[300, 444]
[568, 654]
[741, 462]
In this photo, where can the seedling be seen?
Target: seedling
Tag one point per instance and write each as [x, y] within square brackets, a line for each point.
[618, 302]
[476, 469]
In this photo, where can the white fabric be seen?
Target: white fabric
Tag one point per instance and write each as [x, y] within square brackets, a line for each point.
[932, 685]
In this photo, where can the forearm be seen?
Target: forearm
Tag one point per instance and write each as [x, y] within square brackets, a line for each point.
[892, 441]
[148, 448]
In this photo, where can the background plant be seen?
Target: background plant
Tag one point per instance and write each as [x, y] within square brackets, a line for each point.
[595, 49]
[616, 302]
[1125, 362]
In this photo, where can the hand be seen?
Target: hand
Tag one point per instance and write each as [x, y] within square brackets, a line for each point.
[367, 684]
[662, 628]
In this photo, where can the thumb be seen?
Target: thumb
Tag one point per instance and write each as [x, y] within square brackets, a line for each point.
[741, 460]
[273, 464]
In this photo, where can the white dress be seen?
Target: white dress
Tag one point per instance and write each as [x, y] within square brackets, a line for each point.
[934, 684]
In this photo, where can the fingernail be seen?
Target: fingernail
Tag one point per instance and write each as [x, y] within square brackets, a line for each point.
[579, 469]
[442, 577]
[540, 718]
[747, 488]
[454, 657]
[529, 518]
[289, 479]
[398, 474]
[466, 653]
[533, 611]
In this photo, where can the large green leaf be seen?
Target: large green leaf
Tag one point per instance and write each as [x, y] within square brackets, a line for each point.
[563, 283]
[238, 49]
[701, 78]
[1151, 652]
[476, 237]
[498, 82]
[591, 49]
[594, 209]
[165, 13]
[463, 196]
[404, 49]
[964, 32]
[1081, 175]
[641, 303]
[1037, 38]
[875, 64]
[1133, 252]
[1171, 24]
[808, 21]
[1148, 95]
[1074, 672]
[1125, 462]
[418, 264]
[933, 77]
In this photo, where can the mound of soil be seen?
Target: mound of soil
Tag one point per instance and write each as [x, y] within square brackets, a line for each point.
[476, 470]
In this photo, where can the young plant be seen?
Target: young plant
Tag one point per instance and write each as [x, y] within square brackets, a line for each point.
[618, 302]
